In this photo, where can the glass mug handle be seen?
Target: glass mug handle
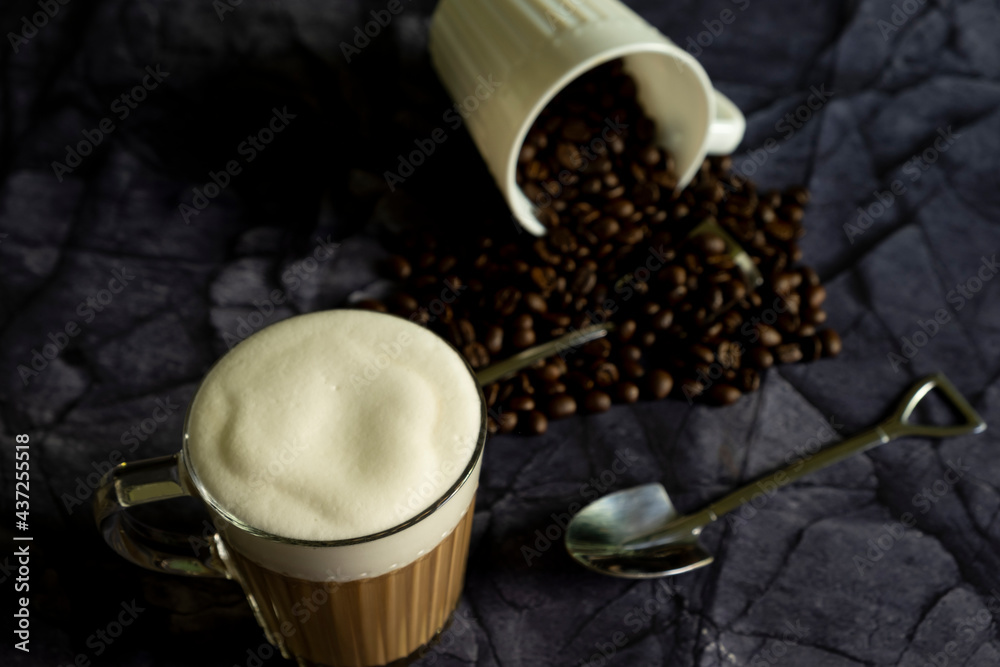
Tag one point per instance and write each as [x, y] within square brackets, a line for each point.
[130, 484]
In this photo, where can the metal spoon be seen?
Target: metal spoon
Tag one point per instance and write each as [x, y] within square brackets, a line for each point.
[637, 533]
[525, 358]
[741, 258]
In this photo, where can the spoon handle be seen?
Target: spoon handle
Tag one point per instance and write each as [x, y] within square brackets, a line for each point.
[511, 365]
[896, 425]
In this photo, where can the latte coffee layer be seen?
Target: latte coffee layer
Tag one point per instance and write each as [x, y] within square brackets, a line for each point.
[373, 621]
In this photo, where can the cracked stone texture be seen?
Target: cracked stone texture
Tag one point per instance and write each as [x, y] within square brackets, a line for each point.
[824, 573]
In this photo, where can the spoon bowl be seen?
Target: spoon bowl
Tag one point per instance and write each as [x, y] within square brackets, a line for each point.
[596, 534]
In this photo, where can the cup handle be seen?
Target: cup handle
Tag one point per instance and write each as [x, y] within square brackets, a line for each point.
[726, 130]
[130, 484]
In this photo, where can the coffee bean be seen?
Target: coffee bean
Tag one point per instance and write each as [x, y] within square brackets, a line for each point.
[399, 267]
[569, 156]
[630, 236]
[543, 277]
[633, 369]
[521, 403]
[493, 339]
[781, 230]
[799, 194]
[723, 394]
[627, 392]
[535, 302]
[782, 285]
[598, 348]
[597, 401]
[605, 374]
[731, 320]
[536, 423]
[663, 319]
[749, 380]
[626, 330]
[523, 383]
[527, 154]
[591, 186]
[550, 372]
[476, 355]
[729, 354]
[631, 353]
[650, 156]
[506, 390]
[465, 332]
[506, 300]
[542, 250]
[659, 383]
[491, 393]
[769, 336]
[563, 240]
[522, 338]
[715, 299]
[584, 280]
[620, 208]
[614, 192]
[555, 388]
[832, 344]
[507, 422]
[788, 353]
[561, 405]
[812, 347]
[814, 316]
[405, 303]
[816, 295]
[711, 244]
[792, 212]
[674, 275]
[703, 353]
[606, 227]
[761, 357]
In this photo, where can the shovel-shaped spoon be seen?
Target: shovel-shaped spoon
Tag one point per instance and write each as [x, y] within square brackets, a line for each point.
[637, 533]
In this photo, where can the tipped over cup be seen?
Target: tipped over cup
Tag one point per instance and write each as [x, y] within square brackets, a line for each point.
[529, 50]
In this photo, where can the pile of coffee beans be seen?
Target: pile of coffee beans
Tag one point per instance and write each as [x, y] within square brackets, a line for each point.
[620, 248]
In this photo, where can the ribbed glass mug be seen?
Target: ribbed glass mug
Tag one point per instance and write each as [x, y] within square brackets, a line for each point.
[370, 600]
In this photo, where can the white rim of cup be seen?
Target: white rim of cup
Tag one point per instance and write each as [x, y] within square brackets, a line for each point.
[516, 194]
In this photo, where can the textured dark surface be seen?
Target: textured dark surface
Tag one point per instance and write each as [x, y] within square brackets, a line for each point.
[788, 587]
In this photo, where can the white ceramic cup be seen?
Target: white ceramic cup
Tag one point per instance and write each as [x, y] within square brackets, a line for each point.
[513, 56]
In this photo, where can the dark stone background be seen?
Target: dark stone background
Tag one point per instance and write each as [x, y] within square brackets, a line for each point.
[793, 563]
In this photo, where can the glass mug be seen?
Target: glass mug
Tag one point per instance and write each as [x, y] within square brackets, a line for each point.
[368, 600]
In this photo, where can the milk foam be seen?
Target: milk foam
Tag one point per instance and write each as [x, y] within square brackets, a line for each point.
[334, 425]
